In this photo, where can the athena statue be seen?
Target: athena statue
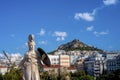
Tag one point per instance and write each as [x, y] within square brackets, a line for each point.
[31, 64]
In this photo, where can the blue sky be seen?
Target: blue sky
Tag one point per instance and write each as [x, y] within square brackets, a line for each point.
[55, 22]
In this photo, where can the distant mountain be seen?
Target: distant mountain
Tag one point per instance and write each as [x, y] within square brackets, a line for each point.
[73, 44]
[76, 45]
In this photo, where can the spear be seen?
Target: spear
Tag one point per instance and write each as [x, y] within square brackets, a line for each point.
[11, 65]
[7, 56]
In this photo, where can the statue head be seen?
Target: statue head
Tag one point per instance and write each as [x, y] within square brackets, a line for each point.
[31, 37]
[31, 43]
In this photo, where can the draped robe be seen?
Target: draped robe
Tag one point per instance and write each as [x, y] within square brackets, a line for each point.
[31, 65]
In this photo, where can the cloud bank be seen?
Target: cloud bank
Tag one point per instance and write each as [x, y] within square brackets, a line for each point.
[42, 32]
[110, 2]
[85, 16]
[100, 33]
[44, 42]
[60, 36]
[90, 16]
[90, 28]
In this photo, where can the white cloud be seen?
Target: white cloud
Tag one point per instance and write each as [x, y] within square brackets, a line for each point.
[110, 2]
[96, 33]
[103, 33]
[12, 35]
[60, 35]
[16, 55]
[11, 55]
[85, 16]
[106, 3]
[90, 28]
[26, 44]
[94, 12]
[58, 39]
[91, 16]
[42, 32]
[43, 42]
[100, 33]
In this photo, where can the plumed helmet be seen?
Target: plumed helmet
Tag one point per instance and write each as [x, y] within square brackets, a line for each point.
[31, 37]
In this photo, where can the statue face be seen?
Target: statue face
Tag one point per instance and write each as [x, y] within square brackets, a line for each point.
[31, 43]
[31, 47]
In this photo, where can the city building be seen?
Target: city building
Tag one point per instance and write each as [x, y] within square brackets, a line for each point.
[64, 60]
[112, 62]
[54, 59]
[3, 69]
[94, 64]
[55, 68]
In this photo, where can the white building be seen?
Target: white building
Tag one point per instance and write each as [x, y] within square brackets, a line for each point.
[63, 59]
[94, 65]
[112, 62]
[111, 55]
[3, 70]
[54, 59]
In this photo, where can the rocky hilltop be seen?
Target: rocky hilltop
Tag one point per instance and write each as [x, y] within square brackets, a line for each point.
[73, 44]
[76, 45]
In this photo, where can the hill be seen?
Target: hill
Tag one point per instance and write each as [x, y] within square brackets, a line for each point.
[76, 45]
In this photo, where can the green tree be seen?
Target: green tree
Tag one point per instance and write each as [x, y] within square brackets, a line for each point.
[115, 75]
[1, 78]
[44, 75]
[13, 74]
[80, 75]
[86, 77]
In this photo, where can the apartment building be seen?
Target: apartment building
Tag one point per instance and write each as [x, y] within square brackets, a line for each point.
[112, 62]
[64, 60]
[94, 65]
[54, 59]
[3, 69]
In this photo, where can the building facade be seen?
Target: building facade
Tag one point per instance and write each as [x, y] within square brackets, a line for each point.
[64, 60]
[3, 70]
[94, 65]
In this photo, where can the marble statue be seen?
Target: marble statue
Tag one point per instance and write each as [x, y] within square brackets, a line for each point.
[31, 63]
